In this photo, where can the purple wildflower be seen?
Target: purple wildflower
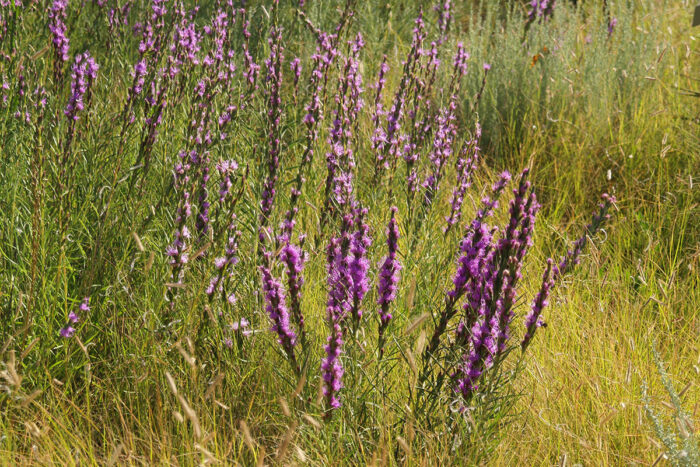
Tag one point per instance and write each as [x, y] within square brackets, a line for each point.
[84, 72]
[68, 330]
[279, 315]
[293, 257]
[359, 264]
[336, 309]
[61, 43]
[476, 251]
[388, 277]
[467, 162]
[295, 66]
[541, 9]
[274, 111]
[533, 321]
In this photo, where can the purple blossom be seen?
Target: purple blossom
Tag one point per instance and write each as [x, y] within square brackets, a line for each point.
[295, 66]
[59, 38]
[387, 144]
[572, 257]
[466, 164]
[359, 264]
[444, 18]
[533, 321]
[83, 74]
[336, 309]
[541, 9]
[224, 264]
[293, 257]
[472, 274]
[389, 273]
[68, 330]
[340, 160]
[332, 368]
[279, 315]
[177, 251]
[273, 78]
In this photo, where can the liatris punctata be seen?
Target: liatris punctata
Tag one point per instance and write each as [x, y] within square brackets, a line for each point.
[273, 79]
[389, 273]
[68, 330]
[59, 38]
[466, 164]
[279, 315]
[475, 247]
[336, 309]
[359, 264]
[555, 272]
[294, 258]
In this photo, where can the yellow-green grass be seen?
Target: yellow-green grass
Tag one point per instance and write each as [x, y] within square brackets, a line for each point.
[123, 393]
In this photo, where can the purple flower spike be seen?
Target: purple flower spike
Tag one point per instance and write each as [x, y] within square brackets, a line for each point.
[554, 272]
[332, 369]
[467, 162]
[388, 277]
[293, 257]
[84, 72]
[359, 264]
[533, 321]
[279, 315]
[59, 38]
[273, 78]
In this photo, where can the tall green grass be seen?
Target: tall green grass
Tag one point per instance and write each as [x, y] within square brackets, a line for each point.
[586, 116]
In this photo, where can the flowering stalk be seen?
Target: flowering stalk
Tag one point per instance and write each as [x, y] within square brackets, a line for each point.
[84, 73]
[389, 274]
[554, 272]
[294, 258]
[541, 9]
[444, 139]
[340, 160]
[475, 248]
[488, 312]
[274, 111]
[331, 366]
[223, 263]
[477, 99]
[386, 144]
[73, 318]
[177, 251]
[279, 315]
[533, 321]
[295, 67]
[359, 264]
[322, 59]
[467, 162]
[444, 18]
[61, 43]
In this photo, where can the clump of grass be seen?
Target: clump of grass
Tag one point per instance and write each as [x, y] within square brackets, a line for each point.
[682, 443]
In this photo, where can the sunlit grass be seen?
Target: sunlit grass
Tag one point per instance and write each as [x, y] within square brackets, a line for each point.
[587, 116]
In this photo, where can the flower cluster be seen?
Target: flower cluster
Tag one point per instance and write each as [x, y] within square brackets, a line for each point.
[73, 318]
[59, 38]
[388, 277]
[83, 74]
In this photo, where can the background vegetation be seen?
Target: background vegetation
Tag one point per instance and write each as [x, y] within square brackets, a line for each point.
[588, 111]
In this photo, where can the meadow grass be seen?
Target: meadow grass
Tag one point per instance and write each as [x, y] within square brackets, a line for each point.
[588, 112]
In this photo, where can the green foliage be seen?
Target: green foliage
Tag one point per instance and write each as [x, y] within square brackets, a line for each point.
[682, 444]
